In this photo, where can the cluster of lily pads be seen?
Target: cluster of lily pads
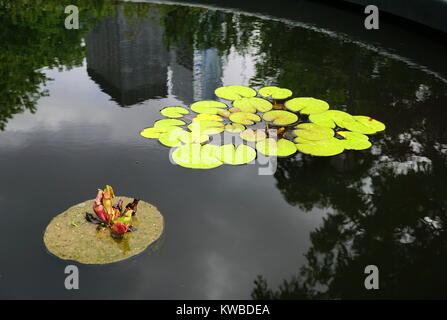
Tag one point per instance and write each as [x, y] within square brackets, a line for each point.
[268, 122]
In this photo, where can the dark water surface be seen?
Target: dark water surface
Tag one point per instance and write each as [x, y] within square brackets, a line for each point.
[73, 102]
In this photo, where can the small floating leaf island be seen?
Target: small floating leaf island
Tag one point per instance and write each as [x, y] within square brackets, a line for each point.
[272, 124]
[99, 231]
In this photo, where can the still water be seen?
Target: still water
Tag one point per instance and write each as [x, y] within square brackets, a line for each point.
[72, 104]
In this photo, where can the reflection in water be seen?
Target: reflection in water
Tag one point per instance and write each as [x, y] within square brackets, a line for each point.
[127, 58]
[385, 206]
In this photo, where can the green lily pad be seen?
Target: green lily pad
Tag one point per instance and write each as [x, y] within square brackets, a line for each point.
[173, 137]
[207, 117]
[253, 135]
[312, 131]
[370, 123]
[243, 154]
[174, 112]
[196, 156]
[322, 148]
[207, 127]
[307, 105]
[86, 244]
[208, 106]
[331, 118]
[271, 147]
[153, 133]
[164, 123]
[253, 104]
[275, 93]
[234, 127]
[234, 92]
[354, 140]
[280, 117]
[246, 118]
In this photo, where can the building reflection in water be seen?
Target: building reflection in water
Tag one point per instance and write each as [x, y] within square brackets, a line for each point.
[127, 58]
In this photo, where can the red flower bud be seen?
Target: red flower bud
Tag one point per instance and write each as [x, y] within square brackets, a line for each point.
[119, 228]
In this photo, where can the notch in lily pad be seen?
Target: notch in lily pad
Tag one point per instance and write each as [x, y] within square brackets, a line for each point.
[280, 117]
[235, 92]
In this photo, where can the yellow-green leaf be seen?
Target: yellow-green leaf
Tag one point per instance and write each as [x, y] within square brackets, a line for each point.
[234, 92]
[275, 92]
[253, 104]
[244, 118]
[312, 131]
[354, 140]
[253, 135]
[271, 147]
[307, 105]
[234, 127]
[196, 156]
[280, 117]
[323, 148]
[235, 156]
[174, 112]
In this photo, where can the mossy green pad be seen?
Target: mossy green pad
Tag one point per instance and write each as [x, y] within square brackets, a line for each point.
[70, 236]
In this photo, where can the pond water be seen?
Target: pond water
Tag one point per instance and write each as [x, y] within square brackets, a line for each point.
[72, 104]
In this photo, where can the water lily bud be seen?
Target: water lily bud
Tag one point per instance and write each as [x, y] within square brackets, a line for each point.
[119, 228]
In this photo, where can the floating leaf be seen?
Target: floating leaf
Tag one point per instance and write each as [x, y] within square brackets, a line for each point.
[207, 127]
[372, 124]
[307, 105]
[173, 138]
[234, 92]
[312, 131]
[208, 106]
[235, 156]
[280, 117]
[153, 133]
[253, 104]
[234, 127]
[331, 118]
[323, 148]
[275, 93]
[354, 140]
[253, 135]
[244, 118]
[196, 156]
[205, 116]
[164, 123]
[271, 147]
[174, 112]
[194, 137]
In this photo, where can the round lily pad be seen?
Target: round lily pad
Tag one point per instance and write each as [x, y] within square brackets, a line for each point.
[70, 237]
[246, 118]
[253, 135]
[243, 154]
[253, 104]
[207, 127]
[209, 117]
[174, 112]
[370, 123]
[280, 117]
[323, 148]
[331, 118]
[196, 156]
[234, 127]
[234, 92]
[312, 131]
[172, 138]
[163, 123]
[208, 106]
[271, 147]
[354, 140]
[307, 105]
[152, 133]
[275, 93]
